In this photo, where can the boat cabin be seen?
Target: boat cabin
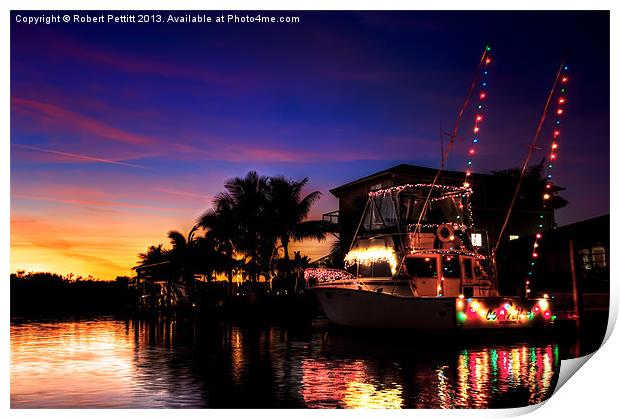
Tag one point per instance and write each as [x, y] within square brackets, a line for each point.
[448, 275]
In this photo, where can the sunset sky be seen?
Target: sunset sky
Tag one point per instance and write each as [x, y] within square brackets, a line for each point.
[120, 133]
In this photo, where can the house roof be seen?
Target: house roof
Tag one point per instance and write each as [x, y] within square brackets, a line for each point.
[401, 169]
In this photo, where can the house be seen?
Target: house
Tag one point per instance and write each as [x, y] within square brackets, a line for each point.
[490, 201]
[554, 273]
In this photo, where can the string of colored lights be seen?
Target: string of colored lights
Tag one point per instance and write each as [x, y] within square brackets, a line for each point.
[447, 252]
[479, 116]
[400, 188]
[500, 312]
[478, 119]
[547, 197]
[326, 274]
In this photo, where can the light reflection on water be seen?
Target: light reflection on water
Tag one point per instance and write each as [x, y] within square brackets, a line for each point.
[107, 362]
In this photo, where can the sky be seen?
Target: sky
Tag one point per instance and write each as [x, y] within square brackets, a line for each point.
[122, 132]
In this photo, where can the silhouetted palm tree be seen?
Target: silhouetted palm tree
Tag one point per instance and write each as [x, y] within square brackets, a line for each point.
[256, 212]
[153, 255]
[246, 200]
[183, 255]
[221, 227]
[288, 212]
[531, 191]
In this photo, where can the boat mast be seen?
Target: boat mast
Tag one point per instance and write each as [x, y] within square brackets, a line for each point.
[453, 135]
[527, 159]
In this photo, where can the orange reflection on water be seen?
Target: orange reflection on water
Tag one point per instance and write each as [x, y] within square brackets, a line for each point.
[236, 354]
[73, 360]
[346, 384]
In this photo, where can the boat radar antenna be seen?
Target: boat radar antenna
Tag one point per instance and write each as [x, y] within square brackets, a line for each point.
[485, 59]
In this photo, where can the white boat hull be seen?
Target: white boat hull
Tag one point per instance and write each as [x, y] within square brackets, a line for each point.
[367, 309]
[360, 308]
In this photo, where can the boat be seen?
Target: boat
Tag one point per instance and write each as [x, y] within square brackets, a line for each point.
[416, 262]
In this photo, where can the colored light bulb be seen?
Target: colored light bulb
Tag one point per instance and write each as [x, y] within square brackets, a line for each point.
[560, 111]
[561, 100]
[556, 133]
[483, 95]
[564, 79]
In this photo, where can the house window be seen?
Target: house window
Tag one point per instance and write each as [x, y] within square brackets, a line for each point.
[593, 258]
[513, 237]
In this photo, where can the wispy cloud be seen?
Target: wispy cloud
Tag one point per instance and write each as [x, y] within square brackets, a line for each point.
[142, 63]
[50, 115]
[74, 156]
[94, 203]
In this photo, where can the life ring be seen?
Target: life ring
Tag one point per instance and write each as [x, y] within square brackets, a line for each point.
[445, 233]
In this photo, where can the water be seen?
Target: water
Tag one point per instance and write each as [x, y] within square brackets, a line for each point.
[115, 363]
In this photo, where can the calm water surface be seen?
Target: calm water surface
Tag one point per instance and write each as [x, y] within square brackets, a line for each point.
[107, 362]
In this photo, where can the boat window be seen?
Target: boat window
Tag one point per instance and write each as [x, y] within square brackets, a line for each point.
[381, 213]
[467, 268]
[422, 267]
[451, 268]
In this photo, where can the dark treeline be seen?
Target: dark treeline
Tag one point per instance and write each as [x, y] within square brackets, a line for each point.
[48, 293]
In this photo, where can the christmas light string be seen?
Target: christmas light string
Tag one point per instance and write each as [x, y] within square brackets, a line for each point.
[400, 188]
[478, 119]
[479, 115]
[547, 194]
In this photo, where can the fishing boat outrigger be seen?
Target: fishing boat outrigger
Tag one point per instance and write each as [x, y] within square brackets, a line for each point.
[413, 264]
